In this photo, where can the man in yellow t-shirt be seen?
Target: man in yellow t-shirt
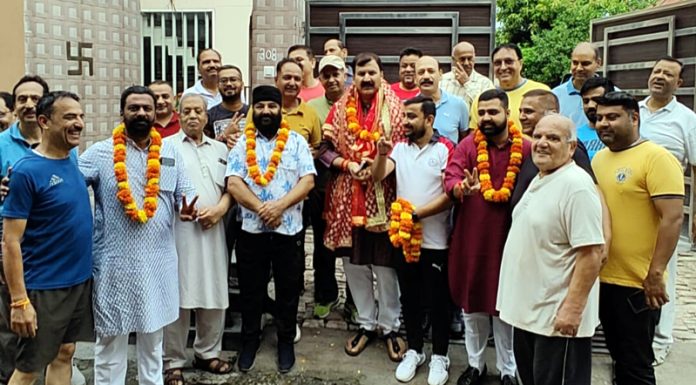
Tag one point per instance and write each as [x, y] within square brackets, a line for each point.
[507, 67]
[643, 185]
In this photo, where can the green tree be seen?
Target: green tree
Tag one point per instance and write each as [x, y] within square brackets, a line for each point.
[548, 30]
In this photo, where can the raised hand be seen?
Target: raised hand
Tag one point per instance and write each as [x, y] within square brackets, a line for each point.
[460, 74]
[188, 212]
[384, 146]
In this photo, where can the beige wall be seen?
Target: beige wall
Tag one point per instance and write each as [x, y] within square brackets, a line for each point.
[12, 43]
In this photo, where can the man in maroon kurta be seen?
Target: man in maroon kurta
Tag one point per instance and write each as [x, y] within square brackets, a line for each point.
[479, 178]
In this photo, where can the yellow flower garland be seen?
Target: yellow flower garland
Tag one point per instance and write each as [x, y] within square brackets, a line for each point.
[404, 232]
[253, 168]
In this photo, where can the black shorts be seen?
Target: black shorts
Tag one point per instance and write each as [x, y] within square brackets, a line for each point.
[64, 316]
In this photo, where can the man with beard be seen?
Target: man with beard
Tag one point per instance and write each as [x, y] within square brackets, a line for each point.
[481, 177]
[463, 80]
[311, 87]
[643, 184]
[138, 185]
[336, 47]
[406, 87]
[201, 248]
[672, 125]
[452, 118]
[226, 121]
[166, 119]
[208, 65]
[584, 63]
[592, 88]
[269, 173]
[419, 166]
[357, 208]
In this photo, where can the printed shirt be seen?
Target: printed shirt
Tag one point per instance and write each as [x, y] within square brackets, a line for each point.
[588, 136]
[476, 84]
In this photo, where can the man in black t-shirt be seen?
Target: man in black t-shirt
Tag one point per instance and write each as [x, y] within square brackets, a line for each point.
[226, 121]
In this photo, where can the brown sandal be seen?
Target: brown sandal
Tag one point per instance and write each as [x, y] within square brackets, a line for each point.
[174, 376]
[396, 347]
[213, 365]
[356, 344]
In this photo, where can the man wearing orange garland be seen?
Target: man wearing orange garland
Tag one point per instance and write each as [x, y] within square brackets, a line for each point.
[357, 208]
[138, 185]
[269, 173]
[481, 177]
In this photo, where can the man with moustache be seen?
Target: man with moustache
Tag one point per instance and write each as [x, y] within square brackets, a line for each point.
[406, 87]
[463, 81]
[208, 65]
[226, 121]
[6, 114]
[548, 288]
[419, 165]
[592, 88]
[166, 119]
[336, 47]
[47, 248]
[452, 118]
[480, 178]
[139, 185]
[269, 173]
[584, 63]
[672, 125]
[201, 248]
[643, 184]
[357, 208]
[311, 87]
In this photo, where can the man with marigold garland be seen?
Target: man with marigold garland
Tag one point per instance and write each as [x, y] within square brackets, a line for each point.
[138, 185]
[481, 177]
[269, 173]
[419, 165]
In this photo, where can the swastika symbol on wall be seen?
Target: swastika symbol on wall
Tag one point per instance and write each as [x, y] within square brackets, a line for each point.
[80, 58]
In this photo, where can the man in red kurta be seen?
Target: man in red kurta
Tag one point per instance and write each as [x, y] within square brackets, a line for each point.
[480, 177]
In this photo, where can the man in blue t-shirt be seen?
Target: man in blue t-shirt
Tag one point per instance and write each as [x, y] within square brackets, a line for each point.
[592, 88]
[48, 247]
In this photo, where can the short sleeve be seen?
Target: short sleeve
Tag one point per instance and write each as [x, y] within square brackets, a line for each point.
[19, 202]
[690, 137]
[583, 218]
[88, 164]
[305, 164]
[396, 152]
[664, 175]
[236, 160]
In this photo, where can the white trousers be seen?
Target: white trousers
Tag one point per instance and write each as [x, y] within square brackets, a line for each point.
[210, 325]
[360, 282]
[477, 329]
[111, 356]
[663, 331]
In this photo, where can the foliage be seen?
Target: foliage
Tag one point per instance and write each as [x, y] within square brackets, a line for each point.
[548, 30]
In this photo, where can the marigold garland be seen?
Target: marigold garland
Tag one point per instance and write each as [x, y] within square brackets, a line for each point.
[152, 173]
[404, 232]
[252, 166]
[503, 194]
[354, 125]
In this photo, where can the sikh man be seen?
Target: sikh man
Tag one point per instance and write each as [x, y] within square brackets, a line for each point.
[336, 47]
[643, 185]
[672, 125]
[357, 208]
[47, 248]
[6, 114]
[269, 173]
[548, 290]
[226, 121]
[311, 87]
[481, 177]
[587, 134]
[452, 118]
[463, 81]
[201, 248]
[507, 68]
[166, 119]
[584, 63]
[419, 165]
[406, 87]
[138, 185]
[209, 61]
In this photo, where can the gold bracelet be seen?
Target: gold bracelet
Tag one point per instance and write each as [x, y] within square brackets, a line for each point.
[22, 303]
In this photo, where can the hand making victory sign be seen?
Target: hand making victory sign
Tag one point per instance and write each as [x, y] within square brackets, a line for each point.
[188, 212]
[469, 185]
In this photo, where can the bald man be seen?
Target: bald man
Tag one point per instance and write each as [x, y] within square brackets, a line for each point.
[584, 63]
[463, 80]
[337, 48]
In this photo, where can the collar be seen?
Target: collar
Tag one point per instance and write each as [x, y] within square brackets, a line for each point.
[444, 97]
[202, 90]
[300, 110]
[570, 88]
[433, 139]
[16, 134]
[173, 120]
[668, 107]
[519, 85]
[184, 138]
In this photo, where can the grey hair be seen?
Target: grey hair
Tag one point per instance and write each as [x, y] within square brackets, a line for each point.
[193, 95]
[565, 123]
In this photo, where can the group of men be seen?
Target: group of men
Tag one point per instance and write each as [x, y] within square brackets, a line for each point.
[478, 161]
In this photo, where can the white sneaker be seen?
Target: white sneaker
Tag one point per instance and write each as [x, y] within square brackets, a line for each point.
[661, 355]
[409, 363]
[77, 378]
[298, 333]
[438, 374]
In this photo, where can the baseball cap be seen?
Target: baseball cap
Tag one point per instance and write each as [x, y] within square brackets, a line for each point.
[333, 61]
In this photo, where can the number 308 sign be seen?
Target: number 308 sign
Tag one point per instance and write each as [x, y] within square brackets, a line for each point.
[267, 54]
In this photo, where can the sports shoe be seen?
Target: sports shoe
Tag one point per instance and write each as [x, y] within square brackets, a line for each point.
[661, 356]
[298, 334]
[286, 356]
[247, 357]
[408, 366]
[439, 366]
[322, 310]
[77, 378]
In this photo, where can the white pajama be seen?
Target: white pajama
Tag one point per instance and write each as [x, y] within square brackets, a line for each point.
[360, 282]
[477, 329]
[111, 356]
[210, 325]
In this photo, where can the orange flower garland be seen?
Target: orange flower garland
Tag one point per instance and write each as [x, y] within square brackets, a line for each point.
[354, 125]
[152, 173]
[404, 232]
[252, 166]
[503, 194]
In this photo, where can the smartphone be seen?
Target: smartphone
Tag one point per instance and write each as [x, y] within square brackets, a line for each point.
[637, 302]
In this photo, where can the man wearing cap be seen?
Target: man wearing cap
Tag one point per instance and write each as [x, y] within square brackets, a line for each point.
[336, 47]
[270, 171]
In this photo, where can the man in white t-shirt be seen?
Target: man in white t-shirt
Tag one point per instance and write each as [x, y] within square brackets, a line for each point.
[548, 290]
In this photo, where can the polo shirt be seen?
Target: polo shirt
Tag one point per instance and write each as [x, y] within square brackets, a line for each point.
[672, 127]
[302, 120]
[402, 93]
[570, 101]
[211, 100]
[514, 100]
[451, 117]
[419, 179]
[321, 106]
[310, 93]
[171, 128]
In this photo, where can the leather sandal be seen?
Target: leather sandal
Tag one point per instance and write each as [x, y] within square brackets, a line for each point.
[213, 365]
[396, 347]
[174, 376]
[356, 344]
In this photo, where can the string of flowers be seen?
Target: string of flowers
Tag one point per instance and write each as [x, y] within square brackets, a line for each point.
[152, 173]
[354, 125]
[404, 232]
[253, 168]
[483, 165]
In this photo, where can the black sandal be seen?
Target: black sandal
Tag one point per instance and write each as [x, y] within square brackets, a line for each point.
[359, 342]
[213, 365]
[174, 376]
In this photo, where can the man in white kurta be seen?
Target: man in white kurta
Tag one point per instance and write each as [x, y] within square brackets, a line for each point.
[136, 286]
[201, 247]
